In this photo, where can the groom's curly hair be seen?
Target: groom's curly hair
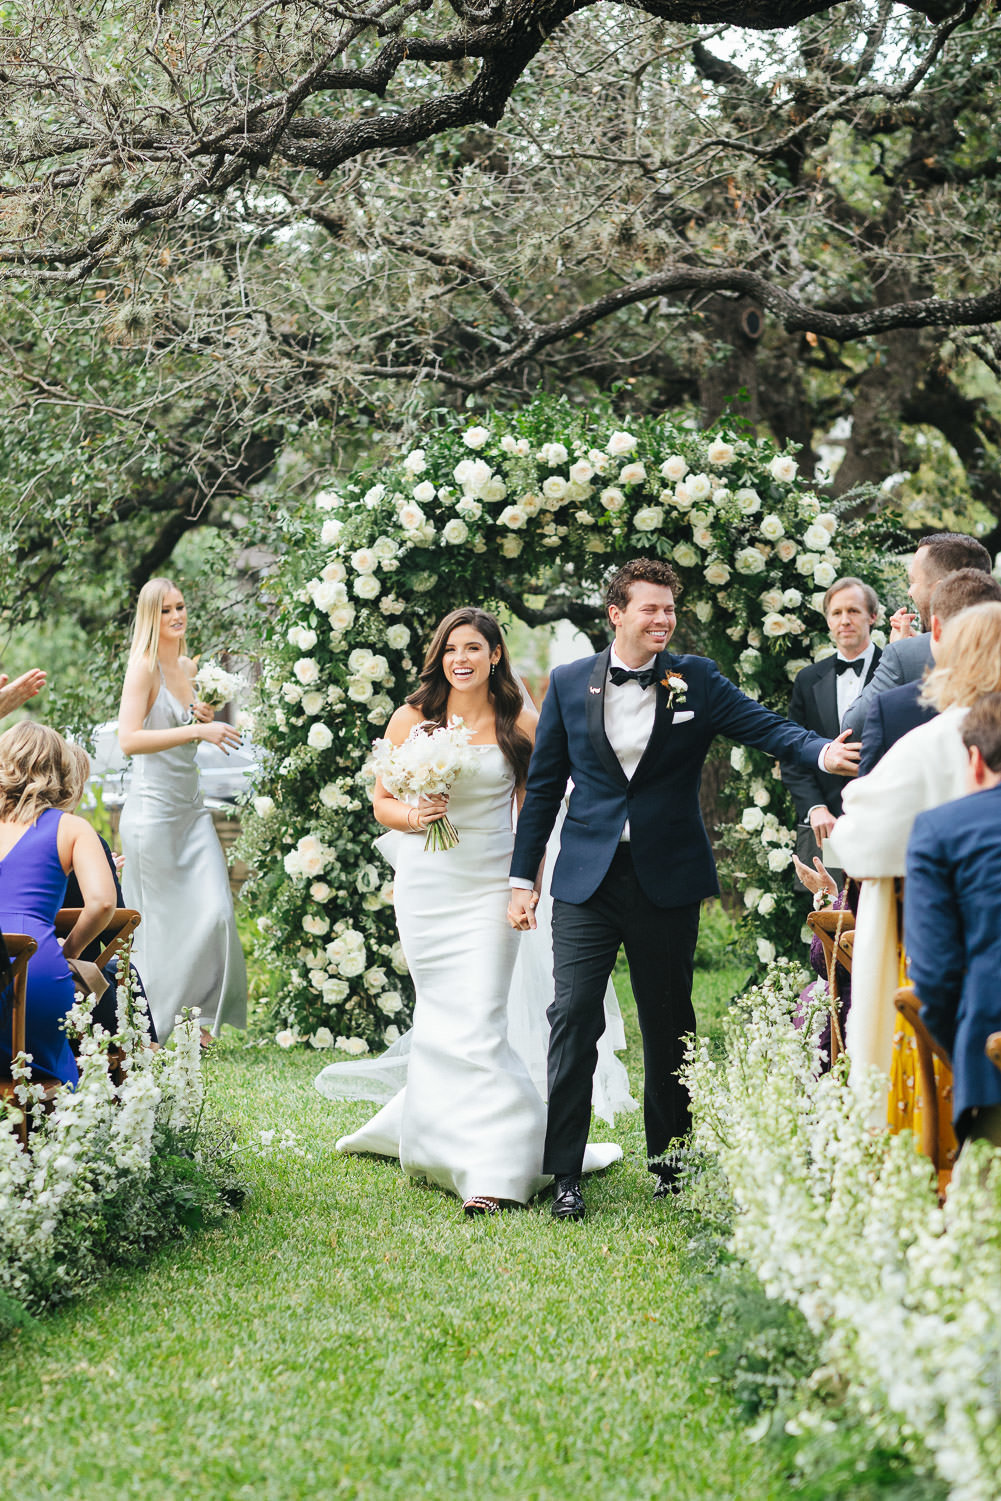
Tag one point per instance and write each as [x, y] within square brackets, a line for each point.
[640, 571]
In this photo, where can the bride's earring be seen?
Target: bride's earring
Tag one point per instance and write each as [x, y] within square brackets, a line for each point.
[493, 668]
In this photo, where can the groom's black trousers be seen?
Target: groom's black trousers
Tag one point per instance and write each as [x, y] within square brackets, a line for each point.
[660, 947]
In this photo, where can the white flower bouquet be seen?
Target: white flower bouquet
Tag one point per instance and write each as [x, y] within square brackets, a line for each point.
[215, 686]
[428, 762]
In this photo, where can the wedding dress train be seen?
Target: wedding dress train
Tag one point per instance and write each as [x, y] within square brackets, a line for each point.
[470, 1116]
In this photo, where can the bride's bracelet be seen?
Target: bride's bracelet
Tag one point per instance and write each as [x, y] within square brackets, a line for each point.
[414, 827]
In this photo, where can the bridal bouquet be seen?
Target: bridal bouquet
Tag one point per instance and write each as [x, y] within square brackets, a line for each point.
[425, 765]
[215, 686]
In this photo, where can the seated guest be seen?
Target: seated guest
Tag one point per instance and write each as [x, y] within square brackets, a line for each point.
[14, 694]
[952, 902]
[105, 1011]
[39, 843]
[899, 710]
[927, 767]
[908, 656]
[821, 694]
[826, 897]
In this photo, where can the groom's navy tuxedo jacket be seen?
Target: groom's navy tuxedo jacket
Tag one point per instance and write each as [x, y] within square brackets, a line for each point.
[670, 847]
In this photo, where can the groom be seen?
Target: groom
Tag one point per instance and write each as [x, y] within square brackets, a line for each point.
[632, 726]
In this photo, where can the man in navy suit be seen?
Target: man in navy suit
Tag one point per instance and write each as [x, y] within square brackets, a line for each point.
[952, 897]
[908, 656]
[821, 694]
[897, 711]
[632, 727]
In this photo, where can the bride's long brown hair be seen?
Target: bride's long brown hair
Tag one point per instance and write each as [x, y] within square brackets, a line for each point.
[431, 698]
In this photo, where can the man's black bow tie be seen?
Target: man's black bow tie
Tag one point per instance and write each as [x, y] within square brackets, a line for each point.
[841, 666]
[645, 676]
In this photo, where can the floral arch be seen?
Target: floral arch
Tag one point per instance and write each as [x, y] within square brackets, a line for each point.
[527, 511]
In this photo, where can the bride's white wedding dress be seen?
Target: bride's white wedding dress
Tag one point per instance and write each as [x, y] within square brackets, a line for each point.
[470, 1117]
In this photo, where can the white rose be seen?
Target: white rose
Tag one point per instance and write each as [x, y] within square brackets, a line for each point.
[353, 1045]
[792, 599]
[523, 448]
[508, 444]
[766, 951]
[319, 891]
[555, 487]
[415, 462]
[824, 575]
[455, 531]
[816, 537]
[334, 573]
[367, 586]
[786, 550]
[531, 504]
[553, 454]
[581, 472]
[766, 903]
[330, 532]
[342, 618]
[750, 661]
[513, 517]
[717, 574]
[752, 897]
[595, 544]
[375, 978]
[313, 702]
[698, 486]
[264, 806]
[783, 468]
[809, 505]
[720, 452]
[703, 537]
[620, 443]
[329, 795]
[390, 1002]
[319, 738]
[470, 508]
[291, 693]
[703, 611]
[424, 492]
[674, 468]
[685, 555]
[493, 490]
[375, 667]
[828, 521]
[326, 594]
[752, 819]
[794, 668]
[774, 625]
[360, 689]
[632, 474]
[398, 637]
[475, 437]
[772, 529]
[364, 560]
[316, 925]
[739, 758]
[806, 563]
[307, 670]
[584, 518]
[372, 497]
[748, 500]
[322, 1038]
[749, 560]
[511, 546]
[648, 519]
[771, 599]
[778, 859]
[285, 1038]
[410, 516]
[612, 499]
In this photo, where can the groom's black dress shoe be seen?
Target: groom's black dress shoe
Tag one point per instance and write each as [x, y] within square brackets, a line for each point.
[568, 1201]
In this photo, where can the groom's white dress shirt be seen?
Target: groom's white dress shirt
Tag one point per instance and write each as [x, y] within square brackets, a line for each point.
[629, 716]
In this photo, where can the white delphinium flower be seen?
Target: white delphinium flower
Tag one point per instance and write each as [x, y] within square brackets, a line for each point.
[182, 1082]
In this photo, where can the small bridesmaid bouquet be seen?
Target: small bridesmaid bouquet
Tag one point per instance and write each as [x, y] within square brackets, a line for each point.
[215, 686]
[427, 763]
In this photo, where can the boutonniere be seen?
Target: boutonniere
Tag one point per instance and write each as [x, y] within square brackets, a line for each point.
[676, 689]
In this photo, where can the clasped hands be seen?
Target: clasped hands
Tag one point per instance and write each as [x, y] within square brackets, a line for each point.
[521, 908]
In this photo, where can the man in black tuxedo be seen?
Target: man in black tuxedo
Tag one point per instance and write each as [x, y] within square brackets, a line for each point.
[632, 727]
[899, 710]
[821, 695]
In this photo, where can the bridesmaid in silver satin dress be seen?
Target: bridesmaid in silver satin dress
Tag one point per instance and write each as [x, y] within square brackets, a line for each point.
[469, 1117]
[186, 948]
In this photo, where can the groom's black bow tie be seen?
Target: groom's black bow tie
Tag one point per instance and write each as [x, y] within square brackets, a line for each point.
[841, 666]
[645, 676]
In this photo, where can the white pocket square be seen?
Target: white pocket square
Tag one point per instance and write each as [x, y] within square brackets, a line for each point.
[680, 715]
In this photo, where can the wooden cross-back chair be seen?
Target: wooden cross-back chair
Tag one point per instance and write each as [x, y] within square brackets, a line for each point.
[836, 931]
[20, 948]
[927, 1049]
[115, 937]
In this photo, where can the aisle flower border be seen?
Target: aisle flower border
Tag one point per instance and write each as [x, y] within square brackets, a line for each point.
[843, 1223]
[544, 496]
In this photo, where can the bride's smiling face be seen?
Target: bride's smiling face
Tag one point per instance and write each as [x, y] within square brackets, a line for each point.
[173, 617]
[467, 658]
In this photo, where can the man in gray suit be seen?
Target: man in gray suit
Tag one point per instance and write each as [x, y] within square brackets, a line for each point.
[908, 654]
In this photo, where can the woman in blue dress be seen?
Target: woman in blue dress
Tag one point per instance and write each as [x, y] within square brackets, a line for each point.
[39, 844]
[187, 948]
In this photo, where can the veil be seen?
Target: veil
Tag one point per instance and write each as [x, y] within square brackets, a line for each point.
[531, 993]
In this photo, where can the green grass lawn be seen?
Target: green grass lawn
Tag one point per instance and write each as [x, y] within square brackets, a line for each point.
[350, 1334]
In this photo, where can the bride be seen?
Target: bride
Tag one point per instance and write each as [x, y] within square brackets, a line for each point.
[470, 1117]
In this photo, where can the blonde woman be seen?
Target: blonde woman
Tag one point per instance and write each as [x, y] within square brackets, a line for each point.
[923, 769]
[39, 844]
[187, 948]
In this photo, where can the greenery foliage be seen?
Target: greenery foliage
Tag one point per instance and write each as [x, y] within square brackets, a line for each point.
[534, 506]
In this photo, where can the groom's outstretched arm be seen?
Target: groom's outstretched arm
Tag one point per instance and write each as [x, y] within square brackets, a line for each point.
[745, 720]
[548, 774]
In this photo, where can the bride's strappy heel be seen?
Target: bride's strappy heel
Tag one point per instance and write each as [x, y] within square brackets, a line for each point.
[481, 1204]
